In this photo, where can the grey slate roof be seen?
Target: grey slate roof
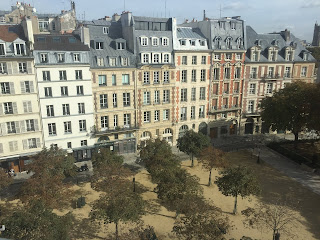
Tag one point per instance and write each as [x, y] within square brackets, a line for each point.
[109, 43]
[190, 33]
[63, 45]
[267, 41]
[150, 19]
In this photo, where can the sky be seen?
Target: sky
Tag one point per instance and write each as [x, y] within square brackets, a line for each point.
[298, 16]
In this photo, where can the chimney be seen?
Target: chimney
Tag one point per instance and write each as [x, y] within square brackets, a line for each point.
[85, 36]
[204, 15]
[115, 17]
[73, 6]
[286, 34]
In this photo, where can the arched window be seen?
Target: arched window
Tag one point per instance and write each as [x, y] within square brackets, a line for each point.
[218, 42]
[239, 43]
[228, 42]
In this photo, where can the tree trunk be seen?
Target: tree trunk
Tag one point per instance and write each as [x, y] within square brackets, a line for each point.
[192, 164]
[235, 205]
[210, 178]
[296, 138]
[117, 231]
[274, 234]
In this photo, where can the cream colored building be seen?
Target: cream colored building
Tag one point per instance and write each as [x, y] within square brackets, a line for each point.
[20, 132]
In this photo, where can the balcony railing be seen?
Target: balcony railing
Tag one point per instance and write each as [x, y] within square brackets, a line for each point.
[124, 128]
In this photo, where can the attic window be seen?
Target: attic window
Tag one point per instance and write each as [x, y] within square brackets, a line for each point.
[192, 42]
[202, 43]
[105, 30]
[182, 42]
[99, 45]
[72, 40]
[233, 25]
[121, 46]
[305, 56]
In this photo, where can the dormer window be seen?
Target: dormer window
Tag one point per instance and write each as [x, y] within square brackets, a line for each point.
[289, 54]
[144, 41]
[145, 58]
[239, 43]
[165, 41]
[155, 41]
[254, 56]
[228, 56]
[156, 58]
[218, 42]
[76, 57]
[99, 45]
[121, 46]
[305, 56]
[20, 49]
[202, 43]
[222, 25]
[217, 57]
[43, 57]
[124, 61]
[238, 56]
[192, 43]
[228, 42]
[183, 42]
[105, 30]
[166, 58]
[2, 49]
[112, 61]
[233, 25]
[60, 57]
[100, 61]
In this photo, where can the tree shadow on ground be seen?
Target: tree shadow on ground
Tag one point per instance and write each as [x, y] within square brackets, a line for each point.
[275, 185]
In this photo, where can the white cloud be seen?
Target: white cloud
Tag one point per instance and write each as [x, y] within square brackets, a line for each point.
[235, 6]
[311, 4]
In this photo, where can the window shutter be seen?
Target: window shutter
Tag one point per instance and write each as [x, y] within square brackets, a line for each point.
[17, 126]
[25, 107]
[11, 146]
[94, 77]
[1, 109]
[25, 144]
[23, 126]
[31, 86]
[38, 142]
[29, 67]
[14, 107]
[9, 67]
[15, 68]
[11, 84]
[15, 144]
[1, 148]
[29, 107]
[36, 125]
[3, 128]
[23, 89]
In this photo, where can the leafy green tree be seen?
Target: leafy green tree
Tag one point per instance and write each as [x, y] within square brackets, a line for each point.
[289, 108]
[314, 117]
[175, 186]
[204, 225]
[315, 51]
[210, 158]
[192, 143]
[36, 222]
[49, 168]
[121, 205]
[108, 170]
[238, 181]
[5, 179]
[157, 157]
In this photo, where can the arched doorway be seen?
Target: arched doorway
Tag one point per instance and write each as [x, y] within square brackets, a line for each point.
[182, 130]
[203, 128]
[168, 135]
[249, 126]
[145, 136]
[103, 139]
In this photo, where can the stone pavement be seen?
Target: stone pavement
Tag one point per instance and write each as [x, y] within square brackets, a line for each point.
[290, 168]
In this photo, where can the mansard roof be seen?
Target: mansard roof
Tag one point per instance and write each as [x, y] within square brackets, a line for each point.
[9, 33]
[190, 33]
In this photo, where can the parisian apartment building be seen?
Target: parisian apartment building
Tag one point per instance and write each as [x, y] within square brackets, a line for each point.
[118, 81]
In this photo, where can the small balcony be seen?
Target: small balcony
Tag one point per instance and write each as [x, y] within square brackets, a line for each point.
[118, 129]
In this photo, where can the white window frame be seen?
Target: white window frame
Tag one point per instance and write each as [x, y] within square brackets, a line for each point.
[144, 41]
[166, 115]
[269, 88]
[155, 41]
[145, 57]
[304, 71]
[105, 30]
[165, 41]
[146, 116]
[166, 57]
[156, 58]
[166, 77]
[43, 57]
[146, 77]
[156, 115]
[156, 79]
[103, 101]
[76, 57]
[82, 125]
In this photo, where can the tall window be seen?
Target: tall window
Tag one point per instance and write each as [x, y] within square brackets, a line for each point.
[126, 99]
[253, 73]
[146, 116]
[44, 57]
[67, 127]
[216, 75]
[64, 91]
[184, 60]
[3, 68]
[76, 57]
[155, 41]
[63, 75]
[46, 75]
[156, 97]
[166, 114]
[81, 108]
[60, 57]
[145, 58]
[114, 80]
[228, 43]
[104, 101]
[48, 92]
[104, 122]
[20, 49]
[30, 125]
[303, 71]
[115, 120]
[11, 126]
[269, 88]
[144, 41]
[146, 79]
[2, 49]
[193, 94]
[271, 72]
[183, 114]
[22, 67]
[66, 109]
[50, 111]
[166, 77]
[203, 60]
[227, 73]
[184, 92]
[202, 93]
[156, 58]
[193, 112]
[194, 60]
[193, 75]
[80, 90]
[252, 88]
[203, 75]
[52, 129]
[114, 100]
[166, 96]
[102, 80]
[8, 107]
[166, 58]
[201, 111]
[146, 98]
[127, 119]
[165, 41]
[125, 79]
[287, 72]
[78, 74]
[184, 76]
[250, 106]
[82, 125]
[237, 73]
[156, 77]
[156, 115]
